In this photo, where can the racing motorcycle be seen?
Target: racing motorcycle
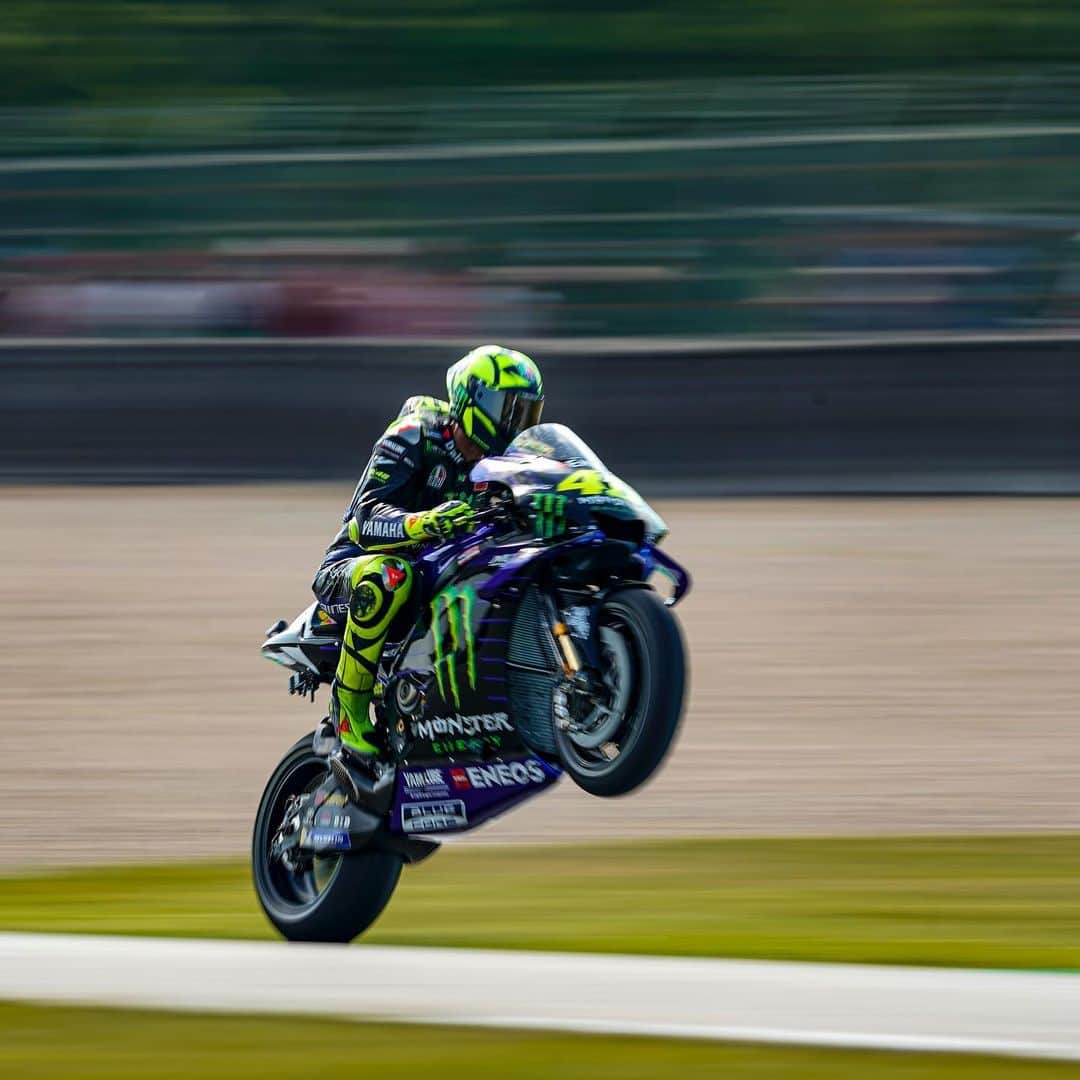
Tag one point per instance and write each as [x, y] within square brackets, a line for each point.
[534, 646]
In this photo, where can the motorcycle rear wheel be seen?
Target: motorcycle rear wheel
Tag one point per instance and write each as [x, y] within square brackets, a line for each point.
[642, 644]
[331, 898]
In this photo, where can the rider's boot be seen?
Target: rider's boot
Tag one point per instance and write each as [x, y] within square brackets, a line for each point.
[326, 740]
[350, 720]
[379, 587]
[355, 762]
[337, 732]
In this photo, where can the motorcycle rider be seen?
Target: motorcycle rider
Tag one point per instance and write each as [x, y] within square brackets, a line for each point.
[415, 489]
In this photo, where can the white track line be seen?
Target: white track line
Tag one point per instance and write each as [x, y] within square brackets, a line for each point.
[1023, 1014]
[553, 346]
[536, 148]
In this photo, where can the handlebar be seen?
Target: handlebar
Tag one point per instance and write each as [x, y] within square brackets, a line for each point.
[492, 513]
[485, 518]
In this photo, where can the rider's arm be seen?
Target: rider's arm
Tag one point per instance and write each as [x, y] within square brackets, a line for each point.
[386, 494]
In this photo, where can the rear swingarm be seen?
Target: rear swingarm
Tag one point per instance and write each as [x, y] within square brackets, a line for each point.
[326, 821]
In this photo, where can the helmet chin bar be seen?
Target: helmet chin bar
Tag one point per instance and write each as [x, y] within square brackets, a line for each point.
[468, 447]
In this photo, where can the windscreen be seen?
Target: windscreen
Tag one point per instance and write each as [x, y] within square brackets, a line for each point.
[558, 442]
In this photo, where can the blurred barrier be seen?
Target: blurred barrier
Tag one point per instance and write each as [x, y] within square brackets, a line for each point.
[674, 106]
[954, 415]
[794, 205]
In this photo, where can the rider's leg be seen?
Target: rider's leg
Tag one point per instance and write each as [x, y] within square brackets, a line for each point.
[379, 586]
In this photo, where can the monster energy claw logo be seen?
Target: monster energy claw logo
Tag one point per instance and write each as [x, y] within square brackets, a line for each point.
[456, 603]
[550, 514]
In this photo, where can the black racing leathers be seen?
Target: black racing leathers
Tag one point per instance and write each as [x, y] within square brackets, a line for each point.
[414, 466]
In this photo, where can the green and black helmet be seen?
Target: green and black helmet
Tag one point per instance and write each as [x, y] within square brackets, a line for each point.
[495, 394]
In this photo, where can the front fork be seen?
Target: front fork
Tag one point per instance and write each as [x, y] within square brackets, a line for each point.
[560, 634]
[576, 680]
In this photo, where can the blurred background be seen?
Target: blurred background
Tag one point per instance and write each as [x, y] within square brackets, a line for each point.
[842, 241]
[776, 262]
[808, 275]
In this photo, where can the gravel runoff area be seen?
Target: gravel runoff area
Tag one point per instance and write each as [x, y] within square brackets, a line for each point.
[859, 666]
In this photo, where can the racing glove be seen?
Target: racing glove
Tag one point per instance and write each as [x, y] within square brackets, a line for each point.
[442, 522]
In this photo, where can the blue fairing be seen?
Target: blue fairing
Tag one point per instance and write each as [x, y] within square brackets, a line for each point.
[444, 798]
[551, 459]
[447, 786]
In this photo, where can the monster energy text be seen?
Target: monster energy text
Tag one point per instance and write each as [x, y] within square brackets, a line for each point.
[439, 726]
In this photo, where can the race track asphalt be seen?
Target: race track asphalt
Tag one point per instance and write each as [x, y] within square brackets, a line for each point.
[1027, 1014]
[857, 666]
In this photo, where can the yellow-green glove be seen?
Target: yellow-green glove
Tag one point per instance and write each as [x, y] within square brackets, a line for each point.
[440, 523]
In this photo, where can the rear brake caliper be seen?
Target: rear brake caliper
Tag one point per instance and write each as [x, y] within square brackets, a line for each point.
[286, 842]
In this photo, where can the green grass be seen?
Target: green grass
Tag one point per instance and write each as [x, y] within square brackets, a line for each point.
[84, 1043]
[1009, 901]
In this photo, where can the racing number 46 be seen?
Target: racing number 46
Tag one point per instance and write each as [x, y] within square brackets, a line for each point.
[590, 482]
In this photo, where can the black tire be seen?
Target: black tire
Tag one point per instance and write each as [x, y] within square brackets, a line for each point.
[655, 709]
[354, 888]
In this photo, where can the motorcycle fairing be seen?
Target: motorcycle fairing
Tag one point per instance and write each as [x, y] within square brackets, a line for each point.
[552, 459]
[653, 559]
[453, 798]
[462, 654]
[311, 642]
[462, 760]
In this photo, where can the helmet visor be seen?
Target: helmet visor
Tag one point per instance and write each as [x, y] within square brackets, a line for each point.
[520, 412]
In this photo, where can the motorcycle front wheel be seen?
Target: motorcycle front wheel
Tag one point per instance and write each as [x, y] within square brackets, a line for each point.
[614, 744]
[315, 898]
